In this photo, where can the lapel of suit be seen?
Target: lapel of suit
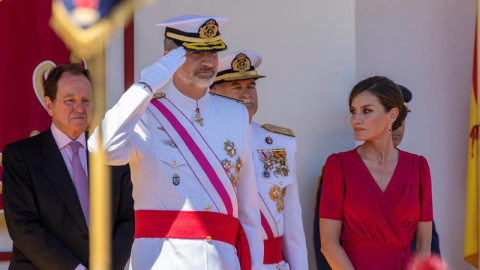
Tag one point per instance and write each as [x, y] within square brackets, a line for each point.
[57, 172]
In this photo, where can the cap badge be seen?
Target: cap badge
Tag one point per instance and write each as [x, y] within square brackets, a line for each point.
[241, 63]
[209, 29]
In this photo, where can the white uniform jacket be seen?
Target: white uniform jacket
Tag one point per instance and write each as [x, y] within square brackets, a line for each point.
[163, 181]
[278, 188]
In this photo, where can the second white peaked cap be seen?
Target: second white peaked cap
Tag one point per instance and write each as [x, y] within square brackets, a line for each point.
[237, 66]
[196, 33]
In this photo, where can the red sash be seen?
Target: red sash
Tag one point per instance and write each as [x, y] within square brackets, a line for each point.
[203, 162]
[194, 225]
[272, 250]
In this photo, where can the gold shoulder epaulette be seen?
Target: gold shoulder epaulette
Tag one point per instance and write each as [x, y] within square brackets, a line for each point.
[158, 95]
[234, 99]
[279, 130]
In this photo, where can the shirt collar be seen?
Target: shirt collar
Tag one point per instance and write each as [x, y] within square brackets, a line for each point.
[62, 139]
[178, 98]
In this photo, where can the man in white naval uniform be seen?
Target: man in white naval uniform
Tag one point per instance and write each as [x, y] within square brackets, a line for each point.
[273, 150]
[191, 211]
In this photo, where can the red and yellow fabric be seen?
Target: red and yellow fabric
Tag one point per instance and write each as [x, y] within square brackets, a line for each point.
[471, 213]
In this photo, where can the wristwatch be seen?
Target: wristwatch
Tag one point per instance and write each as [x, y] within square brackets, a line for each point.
[146, 86]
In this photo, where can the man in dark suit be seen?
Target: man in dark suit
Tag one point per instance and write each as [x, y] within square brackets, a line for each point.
[45, 184]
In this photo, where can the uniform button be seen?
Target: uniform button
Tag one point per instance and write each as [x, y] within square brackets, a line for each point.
[207, 207]
[209, 238]
[281, 183]
[174, 163]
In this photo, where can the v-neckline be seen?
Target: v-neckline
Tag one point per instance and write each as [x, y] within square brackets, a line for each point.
[393, 177]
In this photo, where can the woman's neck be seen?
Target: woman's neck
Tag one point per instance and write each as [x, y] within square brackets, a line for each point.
[380, 150]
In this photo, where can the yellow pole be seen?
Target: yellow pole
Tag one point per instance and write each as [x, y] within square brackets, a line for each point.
[100, 182]
[478, 118]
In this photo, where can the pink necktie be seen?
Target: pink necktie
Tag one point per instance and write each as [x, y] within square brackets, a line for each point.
[81, 181]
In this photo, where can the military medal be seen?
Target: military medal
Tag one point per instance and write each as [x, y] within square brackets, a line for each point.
[274, 160]
[227, 164]
[198, 117]
[230, 148]
[176, 179]
[277, 194]
[170, 143]
[232, 168]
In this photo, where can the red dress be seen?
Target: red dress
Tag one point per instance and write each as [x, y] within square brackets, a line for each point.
[377, 227]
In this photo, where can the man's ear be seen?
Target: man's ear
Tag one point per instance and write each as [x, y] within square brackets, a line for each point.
[48, 105]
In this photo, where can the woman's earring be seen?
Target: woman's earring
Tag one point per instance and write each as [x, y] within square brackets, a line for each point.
[390, 127]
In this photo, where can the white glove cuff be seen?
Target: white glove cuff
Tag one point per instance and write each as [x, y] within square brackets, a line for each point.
[146, 86]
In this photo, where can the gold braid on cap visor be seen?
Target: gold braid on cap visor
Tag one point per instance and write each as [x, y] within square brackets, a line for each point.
[201, 46]
[192, 39]
[251, 74]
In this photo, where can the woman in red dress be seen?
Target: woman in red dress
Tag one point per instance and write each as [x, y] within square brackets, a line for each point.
[375, 197]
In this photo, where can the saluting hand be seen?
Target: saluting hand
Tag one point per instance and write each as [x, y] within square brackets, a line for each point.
[158, 74]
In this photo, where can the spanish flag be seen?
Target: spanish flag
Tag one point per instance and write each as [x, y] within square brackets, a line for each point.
[471, 213]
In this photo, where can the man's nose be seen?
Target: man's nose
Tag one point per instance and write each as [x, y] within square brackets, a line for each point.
[79, 106]
[208, 60]
[245, 93]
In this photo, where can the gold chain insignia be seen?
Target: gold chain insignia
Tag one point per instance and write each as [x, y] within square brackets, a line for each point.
[277, 194]
[241, 63]
[232, 168]
[209, 29]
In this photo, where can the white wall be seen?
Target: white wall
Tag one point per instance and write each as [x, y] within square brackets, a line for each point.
[308, 49]
[428, 47]
[114, 78]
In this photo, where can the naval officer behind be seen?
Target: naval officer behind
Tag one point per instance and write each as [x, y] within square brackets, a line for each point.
[273, 150]
[190, 158]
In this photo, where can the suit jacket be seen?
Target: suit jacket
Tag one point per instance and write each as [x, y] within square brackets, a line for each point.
[43, 213]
